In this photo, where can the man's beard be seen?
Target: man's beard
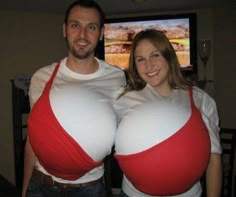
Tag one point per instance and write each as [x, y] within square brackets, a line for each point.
[81, 54]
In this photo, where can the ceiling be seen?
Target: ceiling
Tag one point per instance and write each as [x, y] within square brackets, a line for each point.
[113, 7]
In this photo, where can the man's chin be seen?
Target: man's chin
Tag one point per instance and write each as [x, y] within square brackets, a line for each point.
[83, 55]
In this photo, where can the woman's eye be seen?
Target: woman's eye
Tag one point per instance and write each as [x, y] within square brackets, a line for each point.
[155, 55]
[139, 60]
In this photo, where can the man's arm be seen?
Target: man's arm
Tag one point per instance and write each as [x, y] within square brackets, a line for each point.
[29, 162]
[214, 176]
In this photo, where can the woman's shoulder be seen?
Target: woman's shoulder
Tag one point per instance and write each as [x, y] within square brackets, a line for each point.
[200, 93]
[202, 98]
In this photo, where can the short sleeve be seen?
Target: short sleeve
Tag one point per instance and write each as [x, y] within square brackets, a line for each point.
[209, 112]
[38, 82]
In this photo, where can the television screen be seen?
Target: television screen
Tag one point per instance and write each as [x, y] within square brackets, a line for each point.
[179, 29]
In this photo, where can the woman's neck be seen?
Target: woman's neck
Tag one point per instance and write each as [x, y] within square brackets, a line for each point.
[163, 90]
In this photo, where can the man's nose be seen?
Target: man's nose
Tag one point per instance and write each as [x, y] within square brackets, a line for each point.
[82, 32]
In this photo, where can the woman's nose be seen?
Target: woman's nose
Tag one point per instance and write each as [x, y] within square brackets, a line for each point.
[149, 64]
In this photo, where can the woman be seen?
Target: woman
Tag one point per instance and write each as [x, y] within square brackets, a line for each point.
[168, 133]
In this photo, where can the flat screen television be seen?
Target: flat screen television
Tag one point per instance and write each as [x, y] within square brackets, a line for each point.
[180, 30]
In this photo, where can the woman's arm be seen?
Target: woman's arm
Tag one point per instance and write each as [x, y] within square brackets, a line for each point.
[214, 176]
[29, 162]
[210, 117]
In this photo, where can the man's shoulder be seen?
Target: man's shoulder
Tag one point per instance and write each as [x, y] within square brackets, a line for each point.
[45, 70]
[112, 71]
[110, 66]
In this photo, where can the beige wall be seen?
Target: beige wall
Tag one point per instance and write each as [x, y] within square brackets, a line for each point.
[27, 42]
[225, 64]
[30, 40]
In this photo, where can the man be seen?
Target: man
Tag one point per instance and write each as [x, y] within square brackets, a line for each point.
[71, 126]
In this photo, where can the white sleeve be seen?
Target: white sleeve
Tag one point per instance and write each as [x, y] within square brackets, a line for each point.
[119, 106]
[38, 82]
[34, 90]
[208, 109]
[126, 102]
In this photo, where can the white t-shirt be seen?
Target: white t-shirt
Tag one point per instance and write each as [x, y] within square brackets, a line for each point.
[169, 121]
[82, 104]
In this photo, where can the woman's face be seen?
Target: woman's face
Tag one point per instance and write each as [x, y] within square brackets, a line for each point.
[152, 67]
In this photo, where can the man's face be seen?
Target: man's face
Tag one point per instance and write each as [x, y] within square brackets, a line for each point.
[82, 31]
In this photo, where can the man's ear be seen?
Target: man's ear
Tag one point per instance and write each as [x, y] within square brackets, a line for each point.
[64, 30]
[102, 33]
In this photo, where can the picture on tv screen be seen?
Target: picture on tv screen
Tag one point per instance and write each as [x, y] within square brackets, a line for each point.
[119, 34]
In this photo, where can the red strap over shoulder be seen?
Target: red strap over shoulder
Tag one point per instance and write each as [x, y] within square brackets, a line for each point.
[56, 151]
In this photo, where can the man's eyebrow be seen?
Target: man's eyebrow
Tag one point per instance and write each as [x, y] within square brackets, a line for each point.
[73, 21]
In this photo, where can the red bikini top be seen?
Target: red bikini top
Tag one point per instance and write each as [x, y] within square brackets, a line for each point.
[174, 165]
[55, 149]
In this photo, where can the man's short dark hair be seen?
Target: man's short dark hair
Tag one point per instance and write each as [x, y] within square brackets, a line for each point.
[86, 4]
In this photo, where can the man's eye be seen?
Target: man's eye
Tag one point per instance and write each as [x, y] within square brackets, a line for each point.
[74, 25]
[92, 27]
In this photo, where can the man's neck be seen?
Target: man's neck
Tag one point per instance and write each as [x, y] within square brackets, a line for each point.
[82, 66]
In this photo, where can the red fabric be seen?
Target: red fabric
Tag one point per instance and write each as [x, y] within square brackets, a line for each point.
[174, 165]
[56, 151]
